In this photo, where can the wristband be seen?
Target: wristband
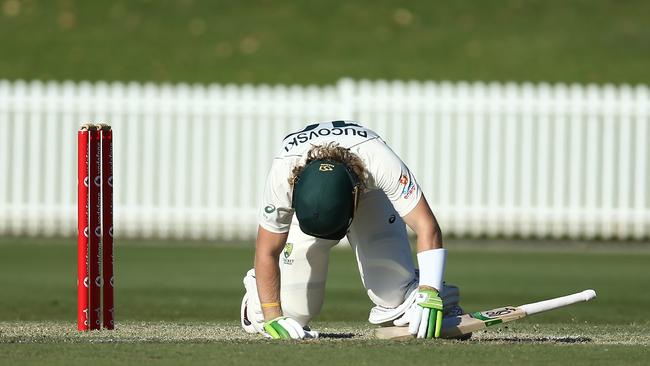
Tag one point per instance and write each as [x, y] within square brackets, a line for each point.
[432, 267]
[270, 305]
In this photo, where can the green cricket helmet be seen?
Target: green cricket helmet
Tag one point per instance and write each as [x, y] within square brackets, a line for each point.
[325, 196]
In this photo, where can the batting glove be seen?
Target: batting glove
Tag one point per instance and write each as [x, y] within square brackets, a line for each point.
[426, 319]
[284, 327]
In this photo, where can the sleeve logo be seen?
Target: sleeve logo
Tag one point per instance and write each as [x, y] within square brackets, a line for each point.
[408, 188]
[404, 180]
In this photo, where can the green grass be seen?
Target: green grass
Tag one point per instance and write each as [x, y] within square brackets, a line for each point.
[363, 353]
[203, 283]
[322, 41]
[179, 304]
[341, 344]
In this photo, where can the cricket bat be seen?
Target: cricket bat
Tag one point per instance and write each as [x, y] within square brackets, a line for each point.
[467, 323]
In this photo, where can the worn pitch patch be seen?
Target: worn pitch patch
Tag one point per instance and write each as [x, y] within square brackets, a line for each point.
[167, 332]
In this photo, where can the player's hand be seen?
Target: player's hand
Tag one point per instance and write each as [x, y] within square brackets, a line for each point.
[426, 318]
[284, 327]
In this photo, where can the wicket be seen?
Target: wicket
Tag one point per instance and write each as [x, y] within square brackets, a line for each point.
[95, 228]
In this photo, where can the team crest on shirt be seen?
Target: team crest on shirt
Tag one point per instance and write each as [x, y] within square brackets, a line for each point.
[288, 248]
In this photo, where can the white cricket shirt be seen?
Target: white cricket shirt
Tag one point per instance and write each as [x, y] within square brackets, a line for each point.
[384, 169]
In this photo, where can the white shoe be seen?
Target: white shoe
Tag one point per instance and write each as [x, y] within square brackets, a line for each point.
[456, 310]
[452, 310]
[245, 320]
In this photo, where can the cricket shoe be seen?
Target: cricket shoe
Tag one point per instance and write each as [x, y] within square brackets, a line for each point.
[453, 310]
[456, 310]
[245, 319]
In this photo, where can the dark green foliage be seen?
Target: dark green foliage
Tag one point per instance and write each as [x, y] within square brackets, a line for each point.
[321, 41]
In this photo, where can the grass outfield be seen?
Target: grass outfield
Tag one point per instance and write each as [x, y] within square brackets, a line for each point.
[321, 41]
[342, 344]
[180, 305]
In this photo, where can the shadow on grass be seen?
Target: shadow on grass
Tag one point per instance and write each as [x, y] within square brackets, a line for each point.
[338, 335]
[569, 340]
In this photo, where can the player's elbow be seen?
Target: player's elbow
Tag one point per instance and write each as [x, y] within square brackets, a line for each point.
[428, 231]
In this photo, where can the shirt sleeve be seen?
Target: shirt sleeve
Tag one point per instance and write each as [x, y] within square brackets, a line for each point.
[393, 177]
[276, 213]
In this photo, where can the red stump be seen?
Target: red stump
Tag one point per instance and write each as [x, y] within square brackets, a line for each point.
[95, 228]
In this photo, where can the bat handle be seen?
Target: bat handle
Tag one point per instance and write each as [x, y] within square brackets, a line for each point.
[558, 302]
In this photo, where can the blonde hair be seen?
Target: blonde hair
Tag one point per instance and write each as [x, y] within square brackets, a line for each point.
[332, 151]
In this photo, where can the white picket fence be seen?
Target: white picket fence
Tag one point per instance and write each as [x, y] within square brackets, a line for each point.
[190, 161]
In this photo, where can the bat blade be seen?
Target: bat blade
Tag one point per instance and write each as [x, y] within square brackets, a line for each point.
[458, 325]
[467, 323]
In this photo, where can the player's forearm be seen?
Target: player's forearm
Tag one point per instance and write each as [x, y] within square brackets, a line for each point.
[422, 221]
[431, 256]
[431, 259]
[267, 271]
[267, 274]
[429, 237]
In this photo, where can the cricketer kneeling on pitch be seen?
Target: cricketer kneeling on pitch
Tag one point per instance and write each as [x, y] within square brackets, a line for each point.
[332, 180]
